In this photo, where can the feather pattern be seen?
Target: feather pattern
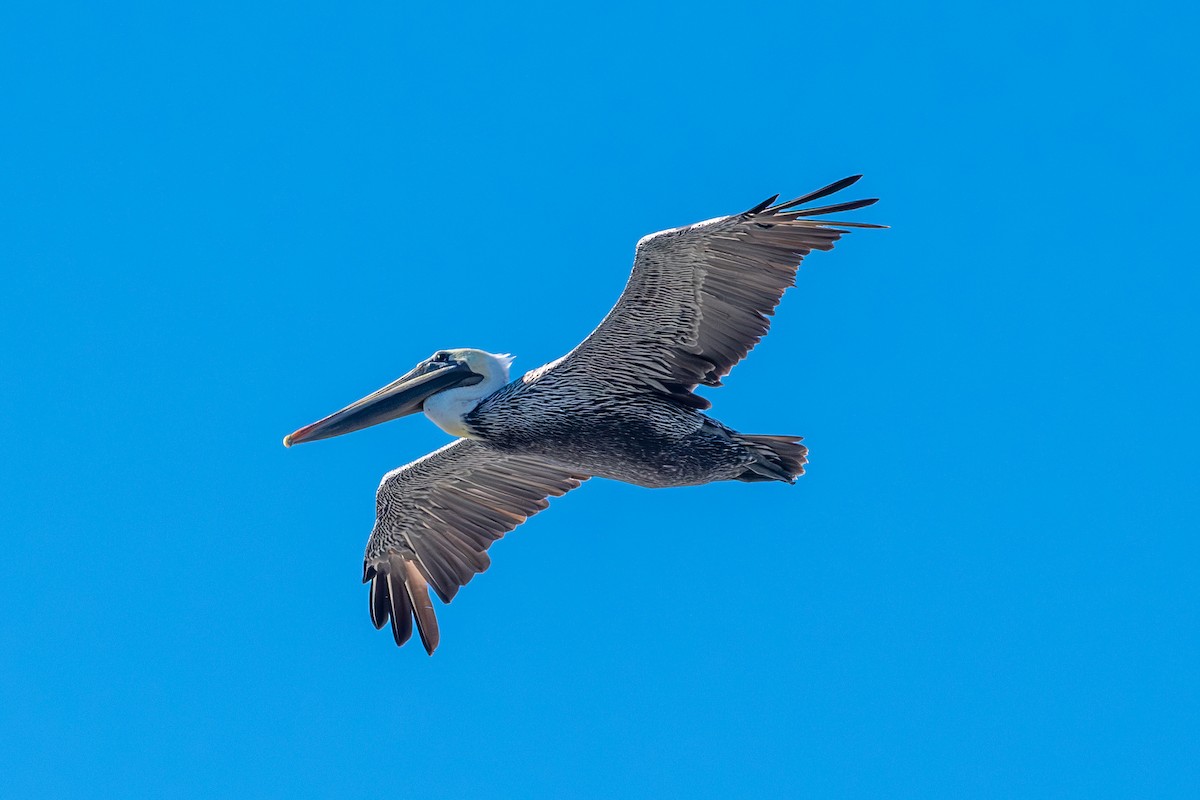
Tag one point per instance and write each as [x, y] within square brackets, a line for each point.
[700, 297]
[436, 518]
[620, 405]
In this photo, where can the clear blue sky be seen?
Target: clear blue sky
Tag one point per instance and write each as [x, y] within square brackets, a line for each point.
[220, 222]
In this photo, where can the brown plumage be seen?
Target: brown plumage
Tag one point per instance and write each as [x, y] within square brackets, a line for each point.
[621, 405]
[435, 520]
[706, 292]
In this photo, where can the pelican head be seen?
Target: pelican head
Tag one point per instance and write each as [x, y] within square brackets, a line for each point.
[445, 386]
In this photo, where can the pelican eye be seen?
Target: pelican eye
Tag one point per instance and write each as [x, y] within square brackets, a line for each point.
[442, 357]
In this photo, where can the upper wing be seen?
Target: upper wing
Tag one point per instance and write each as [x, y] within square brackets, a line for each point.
[699, 296]
[436, 518]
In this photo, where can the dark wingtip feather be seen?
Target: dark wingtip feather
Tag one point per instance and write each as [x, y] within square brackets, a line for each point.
[402, 631]
[824, 191]
[380, 605]
[763, 206]
[852, 205]
[401, 609]
[422, 606]
[399, 592]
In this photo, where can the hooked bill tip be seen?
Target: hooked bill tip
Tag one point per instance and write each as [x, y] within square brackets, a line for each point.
[287, 440]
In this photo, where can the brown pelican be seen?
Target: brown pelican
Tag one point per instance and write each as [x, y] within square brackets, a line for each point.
[620, 406]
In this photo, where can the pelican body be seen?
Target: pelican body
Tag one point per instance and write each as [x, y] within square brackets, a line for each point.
[616, 431]
[620, 405]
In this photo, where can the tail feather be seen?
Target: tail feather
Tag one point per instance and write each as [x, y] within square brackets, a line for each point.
[779, 458]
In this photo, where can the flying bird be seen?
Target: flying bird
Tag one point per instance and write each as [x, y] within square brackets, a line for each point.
[621, 405]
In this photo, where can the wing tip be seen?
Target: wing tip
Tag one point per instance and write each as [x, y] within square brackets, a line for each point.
[763, 206]
[825, 191]
[422, 606]
[400, 593]
[400, 608]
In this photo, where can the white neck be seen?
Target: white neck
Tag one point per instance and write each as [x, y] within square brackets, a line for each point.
[448, 408]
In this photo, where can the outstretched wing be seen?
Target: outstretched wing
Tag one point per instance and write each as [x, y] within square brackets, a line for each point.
[436, 518]
[700, 296]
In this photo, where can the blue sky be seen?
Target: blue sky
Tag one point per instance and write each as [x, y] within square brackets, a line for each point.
[219, 223]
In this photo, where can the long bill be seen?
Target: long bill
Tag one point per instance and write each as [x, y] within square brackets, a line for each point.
[403, 396]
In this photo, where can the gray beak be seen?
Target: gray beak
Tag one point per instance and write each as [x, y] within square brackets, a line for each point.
[399, 398]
